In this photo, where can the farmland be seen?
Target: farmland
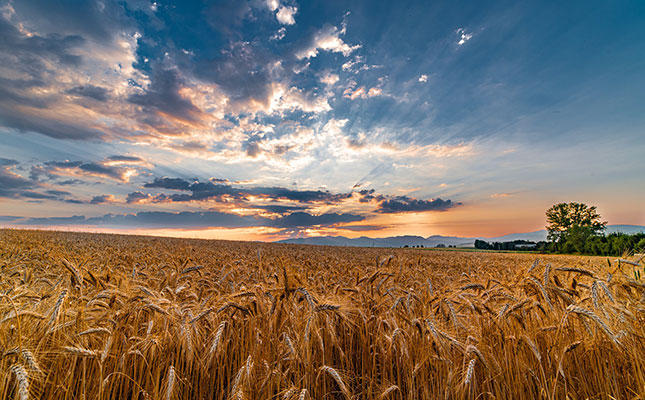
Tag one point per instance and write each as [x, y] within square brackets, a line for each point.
[95, 316]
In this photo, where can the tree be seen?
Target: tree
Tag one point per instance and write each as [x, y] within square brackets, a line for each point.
[573, 220]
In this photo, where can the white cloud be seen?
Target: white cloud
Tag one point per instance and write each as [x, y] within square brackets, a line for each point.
[463, 36]
[349, 65]
[327, 39]
[353, 93]
[279, 35]
[273, 4]
[285, 15]
[375, 91]
[423, 78]
[329, 79]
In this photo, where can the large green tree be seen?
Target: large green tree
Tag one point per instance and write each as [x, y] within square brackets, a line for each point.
[572, 221]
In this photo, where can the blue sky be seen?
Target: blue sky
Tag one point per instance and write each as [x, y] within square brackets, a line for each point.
[268, 119]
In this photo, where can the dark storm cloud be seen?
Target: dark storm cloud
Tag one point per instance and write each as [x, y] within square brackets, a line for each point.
[152, 219]
[362, 228]
[400, 204]
[102, 199]
[304, 196]
[368, 195]
[136, 197]
[102, 170]
[169, 183]
[187, 219]
[91, 91]
[213, 190]
[280, 209]
[163, 95]
[28, 194]
[126, 159]
[303, 219]
[58, 192]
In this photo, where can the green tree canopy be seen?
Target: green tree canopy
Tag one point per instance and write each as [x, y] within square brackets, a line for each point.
[577, 219]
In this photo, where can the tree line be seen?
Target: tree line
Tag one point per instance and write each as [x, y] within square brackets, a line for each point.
[575, 228]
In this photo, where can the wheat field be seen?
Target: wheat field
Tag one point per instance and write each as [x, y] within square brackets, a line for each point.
[94, 316]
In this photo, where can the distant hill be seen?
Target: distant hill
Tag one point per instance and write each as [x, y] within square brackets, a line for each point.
[434, 240]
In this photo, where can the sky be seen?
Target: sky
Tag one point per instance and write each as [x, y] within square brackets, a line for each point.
[270, 119]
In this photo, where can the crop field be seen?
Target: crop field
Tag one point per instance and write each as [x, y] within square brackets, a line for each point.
[94, 316]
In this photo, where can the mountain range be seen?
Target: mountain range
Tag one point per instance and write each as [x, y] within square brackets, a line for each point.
[434, 240]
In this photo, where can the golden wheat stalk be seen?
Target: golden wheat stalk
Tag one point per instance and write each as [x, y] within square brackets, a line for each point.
[23, 383]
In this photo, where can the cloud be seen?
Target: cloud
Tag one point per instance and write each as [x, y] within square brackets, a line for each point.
[153, 219]
[279, 34]
[246, 72]
[502, 195]
[277, 209]
[101, 169]
[56, 221]
[252, 149]
[37, 48]
[8, 162]
[27, 121]
[98, 20]
[303, 219]
[273, 4]
[55, 192]
[423, 78]
[285, 15]
[400, 204]
[361, 92]
[29, 194]
[169, 183]
[353, 64]
[94, 92]
[103, 199]
[190, 147]
[463, 36]
[327, 39]
[329, 78]
[136, 197]
[125, 159]
[8, 218]
[361, 228]
[12, 184]
[163, 95]
[213, 190]
[45, 62]
[189, 219]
